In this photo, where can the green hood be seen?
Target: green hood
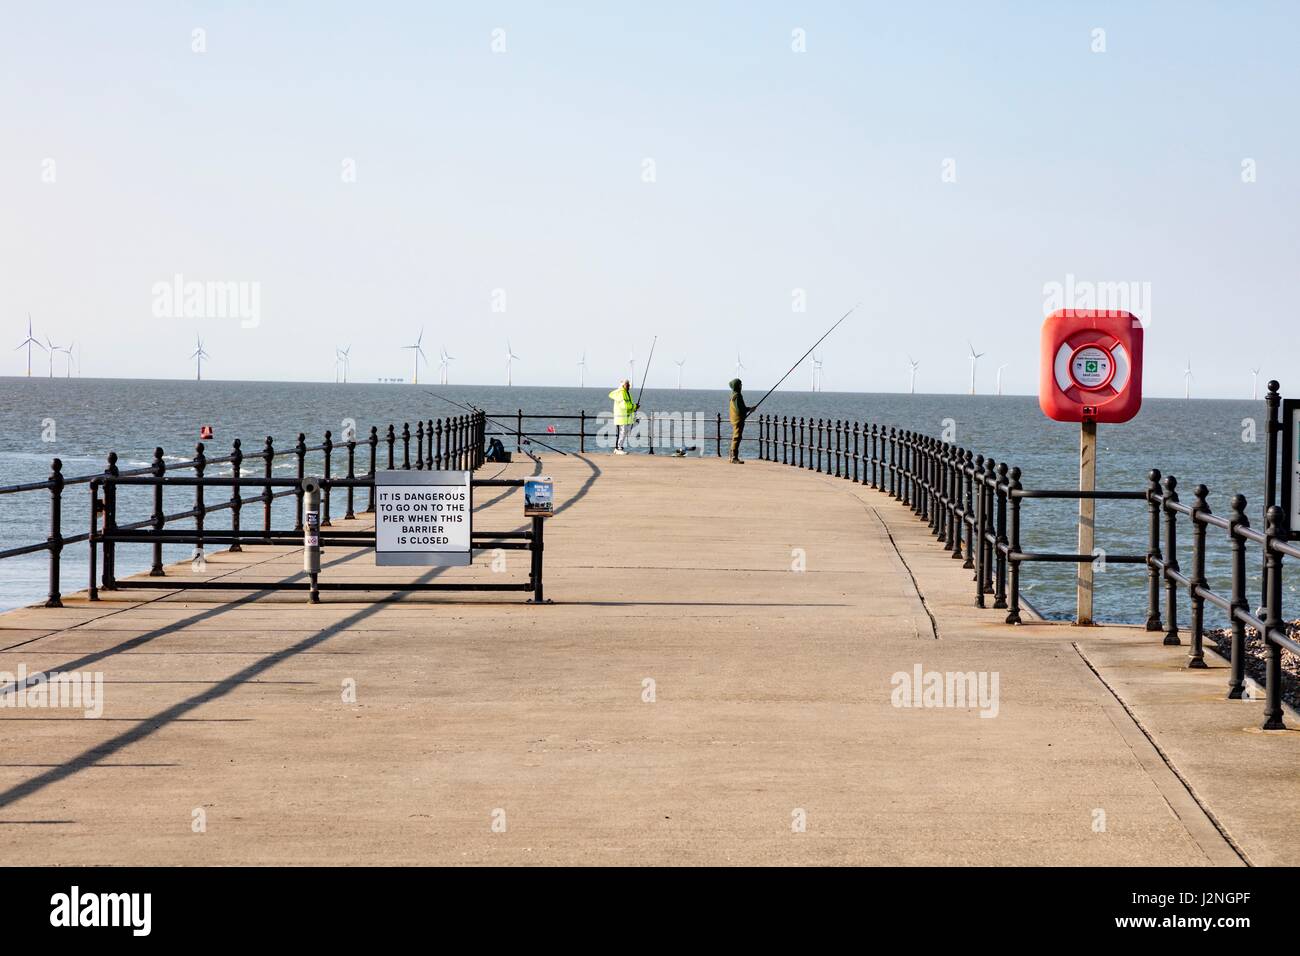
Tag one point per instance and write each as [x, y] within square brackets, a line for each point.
[734, 384]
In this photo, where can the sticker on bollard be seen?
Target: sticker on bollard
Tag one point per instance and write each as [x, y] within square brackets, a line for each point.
[423, 518]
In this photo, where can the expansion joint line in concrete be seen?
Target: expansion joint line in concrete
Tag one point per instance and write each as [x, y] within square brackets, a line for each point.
[925, 606]
[1209, 814]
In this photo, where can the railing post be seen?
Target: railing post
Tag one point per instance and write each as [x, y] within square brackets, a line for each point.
[1237, 520]
[536, 567]
[905, 461]
[785, 439]
[428, 448]
[236, 495]
[990, 537]
[888, 455]
[1196, 580]
[950, 540]
[437, 434]
[374, 447]
[1272, 431]
[54, 598]
[519, 429]
[1171, 561]
[875, 483]
[719, 434]
[799, 448]
[857, 454]
[406, 446]
[1274, 528]
[582, 431]
[159, 468]
[300, 456]
[328, 448]
[268, 455]
[92, 589]
[110, 524]
[929, 511]
[391, 439]
[909, 469]
[352, 474]
[200, 508]
[969, 471]
[1154, 554]
[1000, 558]
[419, 445]
[929, 485]
[1013, 614]
[958, 501]
[981, 525]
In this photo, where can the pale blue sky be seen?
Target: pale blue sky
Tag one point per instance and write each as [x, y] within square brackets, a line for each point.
[775, 171]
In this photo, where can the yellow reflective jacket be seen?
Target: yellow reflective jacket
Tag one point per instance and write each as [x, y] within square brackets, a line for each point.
[624, 407]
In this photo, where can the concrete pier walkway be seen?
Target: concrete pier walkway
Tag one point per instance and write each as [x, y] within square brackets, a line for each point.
[715, 683]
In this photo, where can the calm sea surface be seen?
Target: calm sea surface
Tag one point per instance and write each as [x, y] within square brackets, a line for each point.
[80, 420]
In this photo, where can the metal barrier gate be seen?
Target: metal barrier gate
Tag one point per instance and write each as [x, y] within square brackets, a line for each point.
[106, 533]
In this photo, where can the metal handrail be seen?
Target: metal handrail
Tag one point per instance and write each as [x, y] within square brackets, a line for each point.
[441, 443]
[973, 506]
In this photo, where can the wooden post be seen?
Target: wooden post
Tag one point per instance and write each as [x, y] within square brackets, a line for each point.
[1087, 513]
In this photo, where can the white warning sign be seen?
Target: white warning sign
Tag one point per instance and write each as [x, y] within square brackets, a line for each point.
[423, 517]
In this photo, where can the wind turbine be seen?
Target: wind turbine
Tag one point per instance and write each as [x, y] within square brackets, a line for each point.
[1000, 368]
[52, 350]
[71, 359]
[1254, 384]
[739, 367]
[974, 357]
[419, 354]
[198, 355]
[445, 359]
[28, 343]
[582, 370]
[344, 356]
[679, 371]
[816, 374]
[911, 389]
[1187, 379]
[631, 367]
[510, 357]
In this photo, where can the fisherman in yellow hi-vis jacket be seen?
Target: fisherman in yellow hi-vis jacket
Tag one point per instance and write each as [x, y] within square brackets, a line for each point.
[739, 412]
[624, 415]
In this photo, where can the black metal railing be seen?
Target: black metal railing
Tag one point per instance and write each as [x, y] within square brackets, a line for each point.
[973, 505]
[657, 429]
[444, 443]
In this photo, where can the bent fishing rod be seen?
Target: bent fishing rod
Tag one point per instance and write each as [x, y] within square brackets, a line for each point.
[470, 407]
[804, 356]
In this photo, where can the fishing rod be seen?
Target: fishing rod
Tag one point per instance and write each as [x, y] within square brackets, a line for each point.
[646, 372]
[470, 407]
[804, 356]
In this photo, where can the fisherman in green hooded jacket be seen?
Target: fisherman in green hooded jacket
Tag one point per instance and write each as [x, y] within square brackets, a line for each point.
[624, 415]
[739, 412]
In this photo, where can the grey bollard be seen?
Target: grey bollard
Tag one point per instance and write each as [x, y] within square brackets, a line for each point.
[311, 535]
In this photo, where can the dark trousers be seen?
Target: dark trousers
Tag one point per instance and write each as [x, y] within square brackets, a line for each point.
[737, 430]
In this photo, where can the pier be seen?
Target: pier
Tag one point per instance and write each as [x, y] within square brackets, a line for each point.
[735, 669]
